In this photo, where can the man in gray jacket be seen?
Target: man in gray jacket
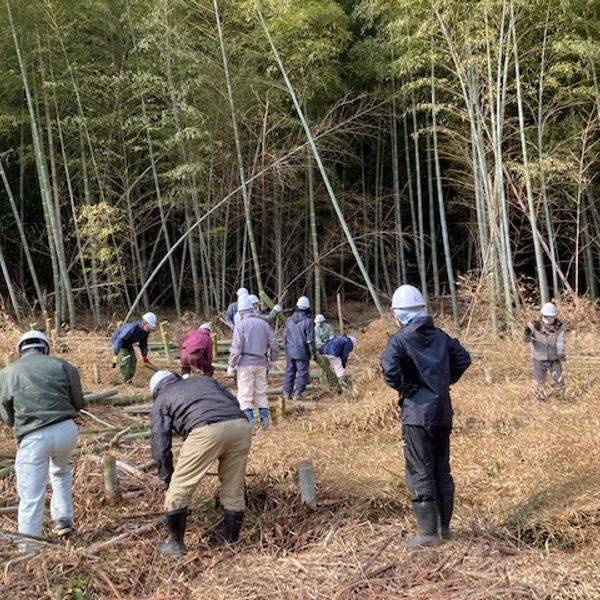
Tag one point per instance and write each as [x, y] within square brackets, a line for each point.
[39, 396]
[253, 348]
[547, 339]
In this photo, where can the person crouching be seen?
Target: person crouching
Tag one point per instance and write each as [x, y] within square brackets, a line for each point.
[213, 427]
[196, 350]
[337, 351]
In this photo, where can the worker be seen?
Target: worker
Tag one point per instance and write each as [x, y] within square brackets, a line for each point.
[40, 396]
[254, 349]
[196, 350]
[268, 315]
[123, 340]
[323, 331]
[213, 427]
[547, 338]
[337, 351]
[299, 344]
[233, 308]
[421, 362]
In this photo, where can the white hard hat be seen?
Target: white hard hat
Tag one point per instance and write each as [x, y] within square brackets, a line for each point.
[549, 310]
[157, 378]
[33, 339]
[151, 319]
[353, 340]
[242, 292]
[407, 296]
[206, 326]
[320, 319]
[303, 302]
[254, 299]
[244, 303]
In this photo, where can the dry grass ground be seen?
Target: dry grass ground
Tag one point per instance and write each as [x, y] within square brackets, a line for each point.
[527, 514]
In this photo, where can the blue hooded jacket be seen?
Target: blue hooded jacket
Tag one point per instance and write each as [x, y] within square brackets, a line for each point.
[299, 336]
[421, 362]
[340, 346]
[129, 334]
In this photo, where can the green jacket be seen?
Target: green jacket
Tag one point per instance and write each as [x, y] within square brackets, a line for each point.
[38, 390]
[323, 333]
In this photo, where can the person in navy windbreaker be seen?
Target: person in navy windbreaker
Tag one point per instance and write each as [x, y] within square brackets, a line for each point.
[299, 345]
[421, 362]
[337, 350]
[123, 340]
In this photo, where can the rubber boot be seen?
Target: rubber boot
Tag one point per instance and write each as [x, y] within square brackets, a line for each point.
[232, 523]
[560, 394]
[249, 415]
[264, 418]
[445, 507]
[176, 521]
[427, 525]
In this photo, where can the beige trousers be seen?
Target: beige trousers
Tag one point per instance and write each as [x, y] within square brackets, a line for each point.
[252, 387]
[336, 364]
[229, 443]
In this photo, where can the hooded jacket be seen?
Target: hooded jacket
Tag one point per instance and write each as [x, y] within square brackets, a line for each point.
[547, 341]
[38, 390]
[182, 405]
[323, 333]
[421, 362]
[254, 343]
[129, 334]
[339, 346]
[299, 336]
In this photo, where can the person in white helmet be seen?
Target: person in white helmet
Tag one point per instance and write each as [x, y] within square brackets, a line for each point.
[232, 309]
[421, 362]
[266, 314]
[547, 339]
[123, 340]
[323, 331]
[40, 396]
[196, 350]
[299, 344]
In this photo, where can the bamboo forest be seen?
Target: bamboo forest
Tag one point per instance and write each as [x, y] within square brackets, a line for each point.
[313, 145]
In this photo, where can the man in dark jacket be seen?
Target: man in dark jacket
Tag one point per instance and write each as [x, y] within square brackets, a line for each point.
[123, 340]
[213, 427]
[299, 345]
[40, 396]
[421, 362]
[233, 308]
[196, 350]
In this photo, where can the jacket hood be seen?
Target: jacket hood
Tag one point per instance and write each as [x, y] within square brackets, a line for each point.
[300, 314]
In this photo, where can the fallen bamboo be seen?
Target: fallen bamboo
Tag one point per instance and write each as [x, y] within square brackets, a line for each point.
[95, 548]
[26, 536]
[9, 510]
[126, 467]
[94, 397]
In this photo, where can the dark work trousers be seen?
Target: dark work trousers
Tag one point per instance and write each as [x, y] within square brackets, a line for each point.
[296, 370]
[427, 454]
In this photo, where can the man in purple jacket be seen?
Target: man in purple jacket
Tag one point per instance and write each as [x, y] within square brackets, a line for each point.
[253, 348]
[196, 350]
[299, 344]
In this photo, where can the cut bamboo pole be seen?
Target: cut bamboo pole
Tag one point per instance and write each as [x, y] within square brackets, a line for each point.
[339, 311]
[164, 334]
[308, 494]
[112, 491]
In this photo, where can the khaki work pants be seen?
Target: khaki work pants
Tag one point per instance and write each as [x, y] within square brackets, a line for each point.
[252, 387]
[229, 443]
[336, 365]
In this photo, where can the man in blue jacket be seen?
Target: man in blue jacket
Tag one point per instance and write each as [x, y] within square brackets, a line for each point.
[299, 344]
[337, 351]
[421, 362]
[123, 340]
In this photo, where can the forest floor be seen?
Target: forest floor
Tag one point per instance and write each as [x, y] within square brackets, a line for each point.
[527, 508]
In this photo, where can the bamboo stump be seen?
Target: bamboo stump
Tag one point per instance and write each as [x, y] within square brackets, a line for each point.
[283, 405]
[112, 492]
[488, 375]
[96, 374]
[273, 414]
[164, 333]
[308, 494]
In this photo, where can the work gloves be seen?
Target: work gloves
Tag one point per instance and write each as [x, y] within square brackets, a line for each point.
[113, 364]
[146, 360]
[231, 371]
[278, 308]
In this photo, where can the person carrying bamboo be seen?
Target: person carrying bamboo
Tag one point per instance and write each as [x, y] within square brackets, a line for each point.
[299, 344]
[40, 396]
[547, 339]
[421, 361]
[264, 313]
[323, 331]
[253, 349]
[196, 350]
[123, 340]
[213, 427]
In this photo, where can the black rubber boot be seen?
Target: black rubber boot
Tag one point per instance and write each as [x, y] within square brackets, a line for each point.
[427, 525]
[232, 523]
[176, 521]
[445, 508]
